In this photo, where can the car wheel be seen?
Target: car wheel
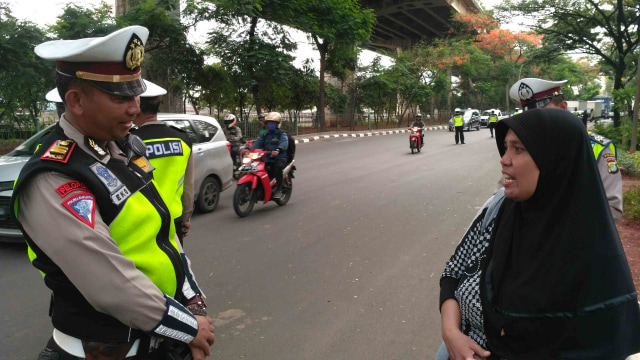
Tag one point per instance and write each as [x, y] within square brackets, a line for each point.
[243, 199]
[209, 195]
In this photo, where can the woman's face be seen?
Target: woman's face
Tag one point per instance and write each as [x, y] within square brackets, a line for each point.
[520, 171]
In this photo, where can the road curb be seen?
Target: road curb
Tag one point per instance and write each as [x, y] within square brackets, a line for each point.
[363, 134]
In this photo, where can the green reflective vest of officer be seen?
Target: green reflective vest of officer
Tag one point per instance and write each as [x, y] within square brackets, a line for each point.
[169, 151]
[457, 120]
[600, 143]
[493, 118]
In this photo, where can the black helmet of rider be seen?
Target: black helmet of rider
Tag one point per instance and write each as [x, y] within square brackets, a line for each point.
[230, 120]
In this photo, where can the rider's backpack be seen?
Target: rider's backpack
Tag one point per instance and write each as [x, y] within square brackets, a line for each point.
[291, 148]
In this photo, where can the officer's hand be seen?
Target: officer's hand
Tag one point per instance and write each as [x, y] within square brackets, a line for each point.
[201, 345]
[187, 225]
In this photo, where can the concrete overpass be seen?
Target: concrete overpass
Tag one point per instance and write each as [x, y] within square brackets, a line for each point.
[403, 23]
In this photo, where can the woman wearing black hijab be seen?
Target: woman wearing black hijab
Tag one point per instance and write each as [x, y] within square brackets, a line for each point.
[556, 283]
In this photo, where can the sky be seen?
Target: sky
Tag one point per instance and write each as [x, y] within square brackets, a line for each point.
[45, 12]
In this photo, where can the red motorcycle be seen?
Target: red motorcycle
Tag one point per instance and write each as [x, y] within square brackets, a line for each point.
[255, 185]
[415, 140]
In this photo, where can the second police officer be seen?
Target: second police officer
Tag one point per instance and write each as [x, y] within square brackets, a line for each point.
[458, 124]
[169, 151]
[538, 93]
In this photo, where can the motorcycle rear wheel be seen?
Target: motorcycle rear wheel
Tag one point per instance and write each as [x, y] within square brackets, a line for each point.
[243, 199]
[287, 189]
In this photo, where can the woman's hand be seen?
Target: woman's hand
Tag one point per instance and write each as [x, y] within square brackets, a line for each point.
[462, 347]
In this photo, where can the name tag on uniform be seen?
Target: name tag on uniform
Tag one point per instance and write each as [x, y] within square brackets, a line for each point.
[158, 149]
[117, 190]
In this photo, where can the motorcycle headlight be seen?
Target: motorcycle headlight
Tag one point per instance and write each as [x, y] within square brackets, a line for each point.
[246, 160]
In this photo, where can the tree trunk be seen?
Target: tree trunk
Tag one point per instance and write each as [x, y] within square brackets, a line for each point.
[617, 84]
[323, 48]
[636, 107]
[255, 91]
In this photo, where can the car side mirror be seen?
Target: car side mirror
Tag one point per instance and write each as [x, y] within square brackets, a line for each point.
[274, 141]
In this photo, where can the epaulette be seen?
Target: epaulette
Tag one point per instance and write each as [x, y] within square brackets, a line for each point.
[599, 139]
[59, 151]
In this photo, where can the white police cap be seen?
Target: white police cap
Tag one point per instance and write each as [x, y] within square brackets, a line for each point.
[529, 90]
[153, 90]
[53, 96]
[111, 63]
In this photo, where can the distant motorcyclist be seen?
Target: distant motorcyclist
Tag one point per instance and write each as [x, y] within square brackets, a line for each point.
[263, 126]
[234, 136]
[276, 158]
[419, 124]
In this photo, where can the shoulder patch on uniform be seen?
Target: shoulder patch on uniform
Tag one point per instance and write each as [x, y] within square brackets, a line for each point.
[71, 186]
[82, 206]
[118, 191]
[60, 151]
[612, 163]
[599, 139]
[163, 148]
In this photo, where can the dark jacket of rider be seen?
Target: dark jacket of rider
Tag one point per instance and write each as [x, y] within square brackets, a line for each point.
[264, 142]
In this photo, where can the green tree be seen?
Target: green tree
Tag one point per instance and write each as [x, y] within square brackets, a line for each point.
[606, 29]
[333, 24]
[25, 78]
[78, 22]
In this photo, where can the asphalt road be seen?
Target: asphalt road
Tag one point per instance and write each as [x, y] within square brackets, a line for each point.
[348, 269]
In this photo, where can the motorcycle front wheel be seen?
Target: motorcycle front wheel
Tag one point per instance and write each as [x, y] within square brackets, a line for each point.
[243, 199]
[287, 189]
[413, 147]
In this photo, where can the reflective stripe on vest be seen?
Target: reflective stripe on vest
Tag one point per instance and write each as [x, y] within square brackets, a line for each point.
[457, 120]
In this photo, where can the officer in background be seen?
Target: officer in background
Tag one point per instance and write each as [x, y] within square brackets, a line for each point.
[169, 151]
[537, 93]
[458, 124]
[419, 124]
[276, 158]
[493, 120]
[94, 222]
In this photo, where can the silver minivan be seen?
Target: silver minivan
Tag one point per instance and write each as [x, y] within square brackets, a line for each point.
[213, 169]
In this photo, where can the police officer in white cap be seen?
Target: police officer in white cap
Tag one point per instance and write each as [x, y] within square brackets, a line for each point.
[54, 97]
[537, 93]
[94, 222]
[169, 151]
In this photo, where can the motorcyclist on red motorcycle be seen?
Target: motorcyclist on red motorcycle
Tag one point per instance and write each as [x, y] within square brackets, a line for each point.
[277, 153]
[419, 124]
[234, 136]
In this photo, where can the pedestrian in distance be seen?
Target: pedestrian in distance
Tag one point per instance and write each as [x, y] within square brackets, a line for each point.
[458, 124]
[535, 93]
[501, 295]
[94, 222]
[168, 149]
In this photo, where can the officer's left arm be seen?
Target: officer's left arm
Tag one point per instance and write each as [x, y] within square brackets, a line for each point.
[612, 182]
[284, 143]
[187, 192]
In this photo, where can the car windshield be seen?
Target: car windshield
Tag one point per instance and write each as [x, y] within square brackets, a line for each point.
[28, 147]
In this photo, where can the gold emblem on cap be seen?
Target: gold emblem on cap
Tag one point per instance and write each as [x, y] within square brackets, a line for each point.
[135, 54]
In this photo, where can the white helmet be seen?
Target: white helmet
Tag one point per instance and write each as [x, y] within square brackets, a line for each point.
[273, 116]
[229, 120]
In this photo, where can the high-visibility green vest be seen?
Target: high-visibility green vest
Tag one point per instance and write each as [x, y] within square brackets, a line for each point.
[599, 143]
[168, 150]
[493, 118]
[457, 120]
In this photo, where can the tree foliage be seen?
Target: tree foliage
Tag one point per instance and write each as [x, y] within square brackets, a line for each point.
[25, 78]
[606, 29]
